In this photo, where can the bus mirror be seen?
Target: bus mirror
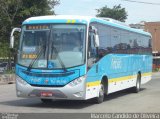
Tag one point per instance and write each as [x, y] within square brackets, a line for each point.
[12, 36]
[95, 35]
[96, 40]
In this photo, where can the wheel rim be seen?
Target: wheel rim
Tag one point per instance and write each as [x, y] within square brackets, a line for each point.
[138, 83]
[101, 92]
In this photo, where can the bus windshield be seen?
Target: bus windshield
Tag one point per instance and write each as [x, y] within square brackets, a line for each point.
[52, 46]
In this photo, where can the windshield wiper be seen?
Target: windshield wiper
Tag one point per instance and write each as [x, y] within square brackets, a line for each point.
[59, 59]
[56, 53]
[35, 59]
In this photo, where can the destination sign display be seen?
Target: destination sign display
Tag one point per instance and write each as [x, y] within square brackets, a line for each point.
[29, 56]
[37, 27]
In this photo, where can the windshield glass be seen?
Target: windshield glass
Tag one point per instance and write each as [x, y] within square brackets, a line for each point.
[53, 46]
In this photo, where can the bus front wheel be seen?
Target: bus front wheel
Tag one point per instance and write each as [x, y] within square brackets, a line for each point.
[100, 98]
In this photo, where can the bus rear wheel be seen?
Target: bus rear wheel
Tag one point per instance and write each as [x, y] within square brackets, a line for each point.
[100, 98]
[137, 88]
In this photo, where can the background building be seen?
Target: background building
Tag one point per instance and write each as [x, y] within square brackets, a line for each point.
[138, 25]
[154, 29]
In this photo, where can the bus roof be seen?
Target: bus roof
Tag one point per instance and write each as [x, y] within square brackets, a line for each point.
[82, 20]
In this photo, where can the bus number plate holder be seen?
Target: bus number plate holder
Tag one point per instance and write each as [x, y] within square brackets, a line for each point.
[46, 94]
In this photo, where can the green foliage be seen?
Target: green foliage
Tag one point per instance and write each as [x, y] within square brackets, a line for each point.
[116, 13]
[14, 12]
[9, 71]
[31, 8]
[4, 50]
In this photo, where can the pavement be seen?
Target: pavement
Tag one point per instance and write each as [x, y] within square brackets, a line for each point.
[147, 100]
[7, 79]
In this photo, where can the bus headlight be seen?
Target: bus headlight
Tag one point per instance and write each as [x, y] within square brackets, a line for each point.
[77, 81]
[20, 80]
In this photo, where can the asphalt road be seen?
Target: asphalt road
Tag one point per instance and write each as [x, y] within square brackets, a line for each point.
[147, 100]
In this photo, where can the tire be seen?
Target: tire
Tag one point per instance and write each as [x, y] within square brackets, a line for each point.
[46, 100]
[100, 98]
[137, 88]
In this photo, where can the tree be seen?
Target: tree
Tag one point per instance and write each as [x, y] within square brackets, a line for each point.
[116, 12]
[14, 12]
[31, 8]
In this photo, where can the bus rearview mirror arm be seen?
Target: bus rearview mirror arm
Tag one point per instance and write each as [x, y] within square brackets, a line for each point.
[12, 36]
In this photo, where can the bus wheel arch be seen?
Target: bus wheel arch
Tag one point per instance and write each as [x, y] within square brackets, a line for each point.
[103, 90]
[105, 83]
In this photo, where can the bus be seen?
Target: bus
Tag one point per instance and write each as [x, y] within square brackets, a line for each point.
[80, 58]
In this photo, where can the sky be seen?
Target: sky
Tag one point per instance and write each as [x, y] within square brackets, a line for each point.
[136, 11]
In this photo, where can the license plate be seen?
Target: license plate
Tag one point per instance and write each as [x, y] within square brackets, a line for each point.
[46, 94]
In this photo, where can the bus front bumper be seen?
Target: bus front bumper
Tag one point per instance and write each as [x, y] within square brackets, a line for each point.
[70, 92]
